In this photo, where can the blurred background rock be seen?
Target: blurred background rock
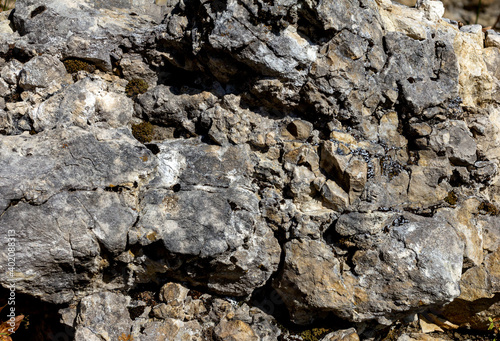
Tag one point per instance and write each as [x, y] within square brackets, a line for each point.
[466, 11]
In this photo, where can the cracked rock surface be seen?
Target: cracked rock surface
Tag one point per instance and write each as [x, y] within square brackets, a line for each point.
[297, 161]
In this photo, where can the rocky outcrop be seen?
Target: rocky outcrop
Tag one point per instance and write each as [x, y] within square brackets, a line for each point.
[344, 155]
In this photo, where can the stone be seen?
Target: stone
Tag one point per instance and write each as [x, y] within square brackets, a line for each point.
[391, 256]
[84, 103]
[46, 171]
[212, 214]
[492, 39]
[342, 335]
[337, 159]
[354, 223]
[11, 72]
[173, 294]
[301, 130]
[103, 315]
[334, 196]
[456, 140]
[41, 72]
[4, 89]
[235, 330]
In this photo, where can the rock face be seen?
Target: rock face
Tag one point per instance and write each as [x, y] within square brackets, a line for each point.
[344, 155]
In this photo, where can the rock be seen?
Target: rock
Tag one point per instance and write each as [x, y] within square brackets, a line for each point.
[354, 223]
[4, 89]
[388, 131]
[454, 139]
[172, 329]
[347, 150]
[301, 130]
[211, 214]
[349, 171]
[434, 10]
[72, 247]
[235, 331]
[71, 158]
[173, 294]
[94, 29]
[342, 335]
[83, 104]
[356, 293]
[103, 315]
[334, 196]
[11, 72]
[42, 72]
[492, 39]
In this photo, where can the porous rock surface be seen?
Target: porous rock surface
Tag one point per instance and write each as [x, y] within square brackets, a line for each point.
[342, 154]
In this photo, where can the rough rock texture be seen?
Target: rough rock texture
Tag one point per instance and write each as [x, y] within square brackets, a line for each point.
[344, 155]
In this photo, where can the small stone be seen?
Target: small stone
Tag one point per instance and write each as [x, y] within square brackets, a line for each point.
[492, 39]
[234, 331]
[420, 129]
[10, 72]
[342, 335]
[334, 196]
[300, 129]
[41, 71]
[173, 294]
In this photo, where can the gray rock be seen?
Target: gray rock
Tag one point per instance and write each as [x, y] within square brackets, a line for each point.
[11, 72]
[70, 159]
[207, 209]
[85, 30]
[83, 104]
[103, 315]
[342, 335]
[65, 236]
[455, 139]
[420, 263]
[359, 223]
[41, 72]
[317, 124]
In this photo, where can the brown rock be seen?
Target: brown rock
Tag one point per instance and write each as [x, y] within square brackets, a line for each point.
[234, 331]
[173, 294]
[342, 335]
[334, 196]
[301, 130]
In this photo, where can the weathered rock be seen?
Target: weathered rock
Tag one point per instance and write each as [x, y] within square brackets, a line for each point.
[83, 104]
[96, 27]
[70, 158]
[318, 128]
[103, 315]
[11, 72]
[207, 209]
[454, 139]
[334, 196]
[342, 335]
[413, 258]
[42, 72]
[235, 331]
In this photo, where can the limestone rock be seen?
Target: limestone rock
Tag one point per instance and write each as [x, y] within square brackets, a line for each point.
[235, 331]
[207, 210]
[82, 104]
[348, 150]
[42, 72]
[103, 315]
[409, 256]
[342, 335]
